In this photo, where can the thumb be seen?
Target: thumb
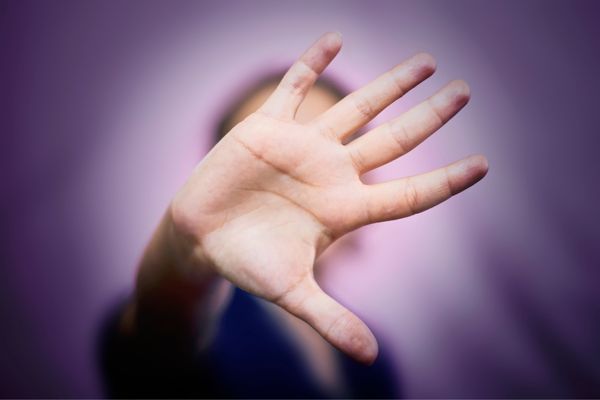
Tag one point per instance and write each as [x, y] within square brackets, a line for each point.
[339, 326]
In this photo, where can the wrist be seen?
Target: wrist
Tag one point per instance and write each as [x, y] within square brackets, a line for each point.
[174, 281]
[174, 255]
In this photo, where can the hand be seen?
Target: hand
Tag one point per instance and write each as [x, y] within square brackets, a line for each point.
[274, 193]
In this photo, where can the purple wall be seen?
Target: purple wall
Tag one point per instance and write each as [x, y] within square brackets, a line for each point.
[107, 106]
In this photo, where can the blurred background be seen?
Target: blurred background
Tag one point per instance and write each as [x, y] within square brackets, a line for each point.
[107, 106]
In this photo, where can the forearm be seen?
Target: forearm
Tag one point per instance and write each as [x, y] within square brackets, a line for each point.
[178, 297]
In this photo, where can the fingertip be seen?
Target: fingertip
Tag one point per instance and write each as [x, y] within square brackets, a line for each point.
[467, 172]
[322, 52]
[371, 352]
[333, 40]
[338, 34]
[363, 346]
[426, 61]
[480, 165]
[461, 92]
[353, 337]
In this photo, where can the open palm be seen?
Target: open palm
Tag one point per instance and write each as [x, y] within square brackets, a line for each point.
[274, 193]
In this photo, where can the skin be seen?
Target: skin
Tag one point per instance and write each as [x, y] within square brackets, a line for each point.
[275, 192]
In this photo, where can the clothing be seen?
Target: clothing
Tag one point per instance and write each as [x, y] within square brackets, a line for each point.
[250, 357]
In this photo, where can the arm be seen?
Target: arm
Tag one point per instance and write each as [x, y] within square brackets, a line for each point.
[178, 296]
[148, 345]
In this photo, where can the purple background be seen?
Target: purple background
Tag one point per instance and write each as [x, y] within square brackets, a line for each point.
[107, 106]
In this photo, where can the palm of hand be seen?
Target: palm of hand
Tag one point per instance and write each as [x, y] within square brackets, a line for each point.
[274, 193]
[292, 193]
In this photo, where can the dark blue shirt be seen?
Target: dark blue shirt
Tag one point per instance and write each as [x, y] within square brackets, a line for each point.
[250, 357]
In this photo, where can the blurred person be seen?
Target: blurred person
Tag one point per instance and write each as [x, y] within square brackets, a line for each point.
[226, 301]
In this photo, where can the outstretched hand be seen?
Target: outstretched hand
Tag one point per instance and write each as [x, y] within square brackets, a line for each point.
[274, 193]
